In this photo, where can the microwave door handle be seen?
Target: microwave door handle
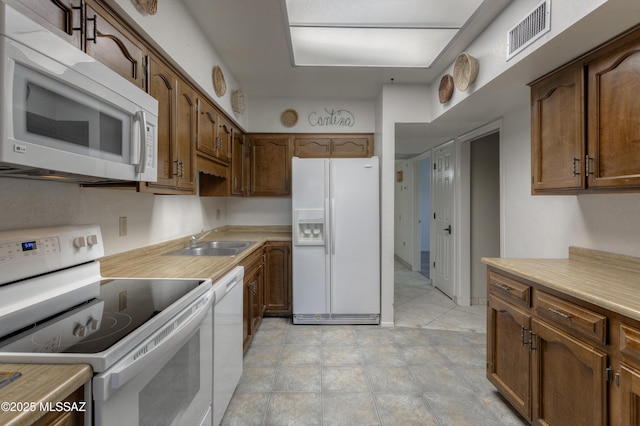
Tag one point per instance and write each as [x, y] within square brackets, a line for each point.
[105, 384]
[142, 118]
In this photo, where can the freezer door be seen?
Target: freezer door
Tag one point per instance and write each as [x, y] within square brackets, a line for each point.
[310, 189]
[355, 236]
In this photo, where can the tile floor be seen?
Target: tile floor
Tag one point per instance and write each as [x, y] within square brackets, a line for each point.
[428, 370]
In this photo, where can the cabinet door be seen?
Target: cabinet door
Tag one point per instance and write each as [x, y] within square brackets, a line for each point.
[277, 288]
[207, 142]
[630, 393]
[224, 138]
[270, 166]
[237, 162]
[613, 110]
[61, 17]
[246, 314]
[186, 136]
[508, 354]
[110, 43]
[557, 135]
[569, 379]
[351, 147]
[312, 147]
[162, 86]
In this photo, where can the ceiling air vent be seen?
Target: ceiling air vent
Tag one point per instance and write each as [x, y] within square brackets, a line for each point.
[529, 29]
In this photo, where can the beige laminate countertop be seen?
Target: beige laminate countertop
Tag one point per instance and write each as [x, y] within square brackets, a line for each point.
[607, 280]
[151, 262]
[38, 383]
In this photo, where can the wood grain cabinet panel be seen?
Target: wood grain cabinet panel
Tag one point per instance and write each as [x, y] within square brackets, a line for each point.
[163, 87]
[629, 382]
[278, 288]
[61, 17]
[568, 378]
[238, 168]
[508, 353]
[187, 118]
[613, 111]
[108, 41]
[332, 146]
[270, 165]
[557, 139]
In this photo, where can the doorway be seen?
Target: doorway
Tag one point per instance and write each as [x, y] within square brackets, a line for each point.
[425, 215]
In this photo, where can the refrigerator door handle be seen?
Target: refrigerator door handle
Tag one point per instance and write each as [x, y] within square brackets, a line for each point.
[333, 226]
[326, 237]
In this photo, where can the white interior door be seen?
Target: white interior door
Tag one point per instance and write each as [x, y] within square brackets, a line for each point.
[442, 206]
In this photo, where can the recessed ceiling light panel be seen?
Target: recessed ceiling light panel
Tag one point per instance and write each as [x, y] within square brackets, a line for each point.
[373, 33]
[373, 47]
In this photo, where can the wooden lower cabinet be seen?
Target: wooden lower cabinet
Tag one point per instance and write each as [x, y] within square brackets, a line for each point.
[509, 360]
[65, 418]
[569, 379]
[277, 288]
[559, 360]
[629, 380]
[253, 299]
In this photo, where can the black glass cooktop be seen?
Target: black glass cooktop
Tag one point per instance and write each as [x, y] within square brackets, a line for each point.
[122, 307]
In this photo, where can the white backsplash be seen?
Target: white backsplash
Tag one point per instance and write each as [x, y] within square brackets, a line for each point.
[150, 218]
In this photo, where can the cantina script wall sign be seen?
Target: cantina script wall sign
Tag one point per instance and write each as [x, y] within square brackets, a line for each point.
[332, 118]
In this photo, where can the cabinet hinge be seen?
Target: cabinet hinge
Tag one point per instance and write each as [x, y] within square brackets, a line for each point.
[617, 379]
[609, 374]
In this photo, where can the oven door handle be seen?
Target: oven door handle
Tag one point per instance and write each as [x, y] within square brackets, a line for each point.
[167, 341]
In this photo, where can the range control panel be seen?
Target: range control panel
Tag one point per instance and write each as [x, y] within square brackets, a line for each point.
[29, 252]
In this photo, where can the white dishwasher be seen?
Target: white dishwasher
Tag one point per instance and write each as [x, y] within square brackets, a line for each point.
[227, 340]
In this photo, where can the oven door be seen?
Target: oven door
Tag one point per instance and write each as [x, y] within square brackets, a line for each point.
[167, 380]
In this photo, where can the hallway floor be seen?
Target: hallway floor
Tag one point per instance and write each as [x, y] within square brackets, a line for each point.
[428, 371]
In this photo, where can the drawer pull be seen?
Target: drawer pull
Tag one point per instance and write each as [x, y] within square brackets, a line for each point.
[503, 287]
[562, 314]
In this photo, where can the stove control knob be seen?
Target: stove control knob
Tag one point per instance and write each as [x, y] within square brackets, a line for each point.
[79, 242]
[80, 331]
[93, 324]
[92, 240]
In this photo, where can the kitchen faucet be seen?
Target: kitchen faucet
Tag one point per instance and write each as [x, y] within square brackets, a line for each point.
[194, 240]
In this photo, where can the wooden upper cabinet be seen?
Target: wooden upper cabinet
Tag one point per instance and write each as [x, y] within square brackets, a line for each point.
[111, 43]
[269, 165]
[557, 135]
[351, 146]
[569, 154]
[224, 138]
[207, 142]
[613, 111]
[237, 162]
[186, 110]
[163, 87]
[61, 17]
[336, 146]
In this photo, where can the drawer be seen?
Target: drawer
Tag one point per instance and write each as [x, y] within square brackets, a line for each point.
[571, 317]
[509, 289]
[630, 342]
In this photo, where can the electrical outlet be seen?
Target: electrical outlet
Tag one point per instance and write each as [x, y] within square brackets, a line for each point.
[122, 228]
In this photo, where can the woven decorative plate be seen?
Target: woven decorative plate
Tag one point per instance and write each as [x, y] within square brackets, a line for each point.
[149, 6]
[289, 118]
[219, 85]
[237, 101]
[446, 88]
[465, 71]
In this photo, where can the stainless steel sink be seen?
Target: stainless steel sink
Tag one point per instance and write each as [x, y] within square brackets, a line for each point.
[214, 248]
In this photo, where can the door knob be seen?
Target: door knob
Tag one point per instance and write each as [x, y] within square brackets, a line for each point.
[448, 229]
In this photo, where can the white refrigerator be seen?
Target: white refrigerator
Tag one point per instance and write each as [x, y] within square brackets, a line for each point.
[336, 240]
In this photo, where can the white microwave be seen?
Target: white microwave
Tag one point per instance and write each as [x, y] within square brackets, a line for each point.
[65, 116]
